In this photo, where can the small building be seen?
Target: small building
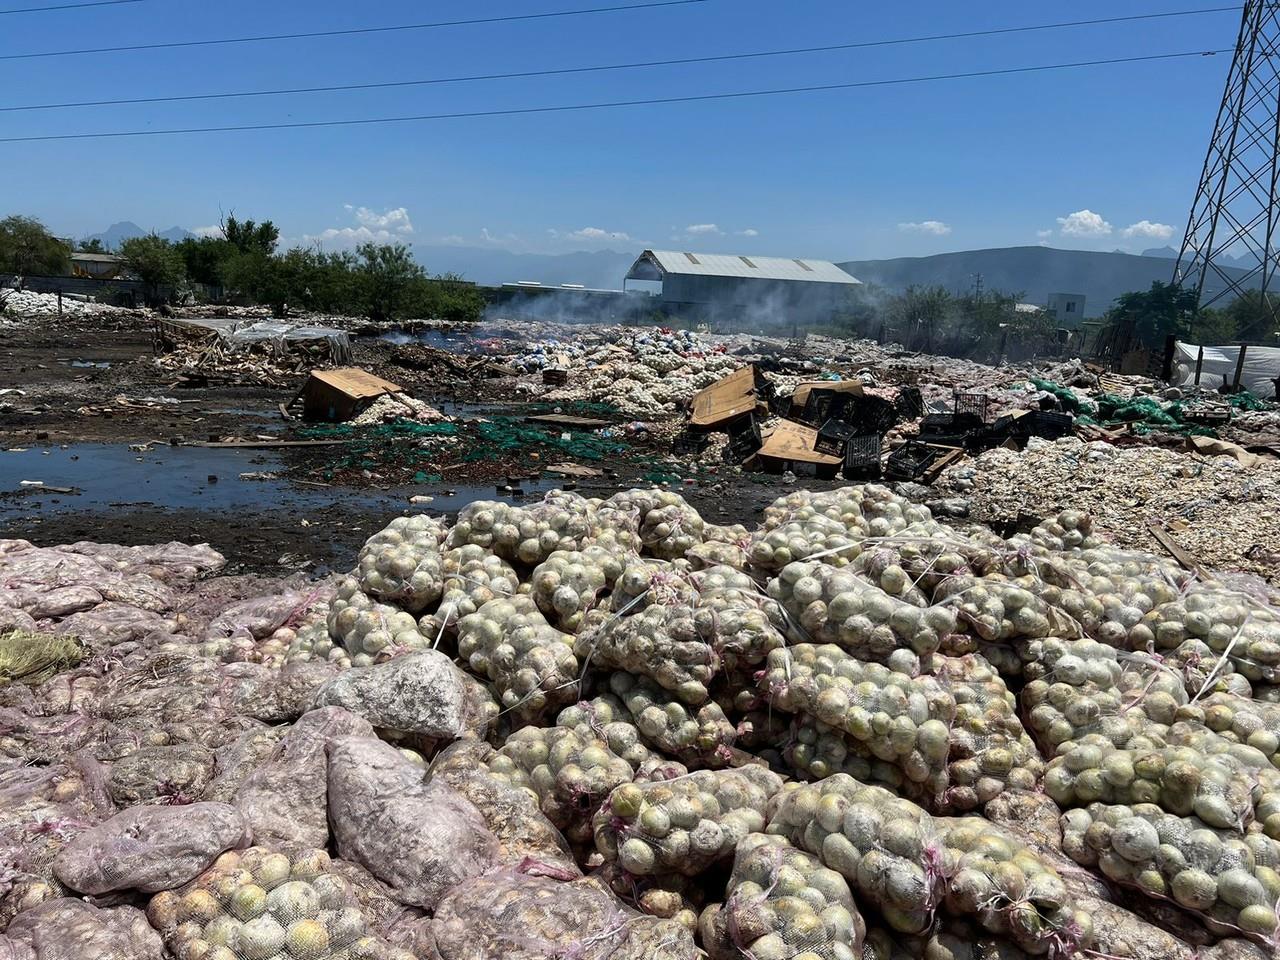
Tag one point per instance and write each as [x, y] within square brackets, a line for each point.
[751, 291]
[99, 266]
[1067, 309]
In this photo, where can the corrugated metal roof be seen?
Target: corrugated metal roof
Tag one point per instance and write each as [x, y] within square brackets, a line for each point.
[98, 258]
[758, 268]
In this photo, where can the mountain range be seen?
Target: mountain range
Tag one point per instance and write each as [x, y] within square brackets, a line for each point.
[597, 270]
[117, 233]
[1033, 272]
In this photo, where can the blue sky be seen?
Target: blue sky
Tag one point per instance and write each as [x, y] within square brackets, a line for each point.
[1096, 158]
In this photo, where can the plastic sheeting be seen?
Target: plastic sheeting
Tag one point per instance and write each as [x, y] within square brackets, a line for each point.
[1261, 367]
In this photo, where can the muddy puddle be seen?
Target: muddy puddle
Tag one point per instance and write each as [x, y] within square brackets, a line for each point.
[440, 339]
[104, 477]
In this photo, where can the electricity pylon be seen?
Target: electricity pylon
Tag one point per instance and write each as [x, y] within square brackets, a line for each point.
[1230, 244]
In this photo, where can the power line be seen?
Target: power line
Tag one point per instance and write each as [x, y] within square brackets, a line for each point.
[70, 6]
[650, 101]
[354, 31]
[564, 71]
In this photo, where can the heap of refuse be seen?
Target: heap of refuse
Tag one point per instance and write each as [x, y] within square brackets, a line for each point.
[611, 729]
[1222, 511]
[28, 304]
[647, 376]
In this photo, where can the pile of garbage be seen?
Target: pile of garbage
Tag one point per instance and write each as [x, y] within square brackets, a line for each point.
[392, 407]
[610, 728]
[644, 376]
[1223, 513]
[30, 305]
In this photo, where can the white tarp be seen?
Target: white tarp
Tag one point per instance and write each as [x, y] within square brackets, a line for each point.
[1261, 367]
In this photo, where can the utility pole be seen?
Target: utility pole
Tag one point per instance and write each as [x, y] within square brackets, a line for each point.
[977, 287]
[1237, 207]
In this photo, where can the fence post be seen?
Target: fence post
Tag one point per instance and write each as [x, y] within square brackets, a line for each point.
[1199, 365]
[59, 303]
[1244, 348]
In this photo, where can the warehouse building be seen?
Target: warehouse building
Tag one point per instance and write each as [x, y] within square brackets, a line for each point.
[742, 291]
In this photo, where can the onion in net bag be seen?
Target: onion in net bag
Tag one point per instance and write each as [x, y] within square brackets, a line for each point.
[903, 720]
[570, 774]
[833, 606]
[569, 583]
[698, 736]
[1083, 687]
[990, 750]
[257, 904]
[660, 642]
[782, 904]
[1218, 789]
[1227, 879]
[683, 826]
[371, 631]
[607, 718]
[401, 564]
[531, 664]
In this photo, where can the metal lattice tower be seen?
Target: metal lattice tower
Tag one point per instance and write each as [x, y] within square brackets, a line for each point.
[1237, 208]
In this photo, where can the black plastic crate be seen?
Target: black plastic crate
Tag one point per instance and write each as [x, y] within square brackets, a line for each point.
[833, 437]
[1042, 423]
[744, 439]
[871, 414]
[975, 404]
[910, 461]
[780, 405]
[862, 457]
[938, 423]
[824, 405]
[910, 403]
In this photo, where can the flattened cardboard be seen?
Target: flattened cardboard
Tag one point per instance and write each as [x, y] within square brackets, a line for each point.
[726, 399]
[794, 442]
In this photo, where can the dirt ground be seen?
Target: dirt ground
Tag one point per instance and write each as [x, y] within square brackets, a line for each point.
[314, 518]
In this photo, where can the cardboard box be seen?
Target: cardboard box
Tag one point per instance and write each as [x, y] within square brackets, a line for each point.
[341, 394]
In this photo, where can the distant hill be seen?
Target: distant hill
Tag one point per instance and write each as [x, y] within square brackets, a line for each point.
[1035, 271]
[117, 233]
[599, 270]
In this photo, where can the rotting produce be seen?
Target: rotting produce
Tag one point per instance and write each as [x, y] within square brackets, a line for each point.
[572, 729]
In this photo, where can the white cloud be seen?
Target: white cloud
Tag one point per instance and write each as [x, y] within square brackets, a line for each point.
[1044, 234]
[212, 231]
[1084, 223]
[749, 232]
[397, 220]
[703, 230]
[934, 228]
[1148, 230]
[498, 238]
[390, 226]
[595, 234]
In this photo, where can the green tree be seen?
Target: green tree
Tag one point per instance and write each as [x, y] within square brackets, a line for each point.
[205, 259]
[918, 313]
[94, 245]
[1253, 316]
[156, 262]
[250, 237]
[1149, 318]
[27, 247]
[388, 277]
[446, 297]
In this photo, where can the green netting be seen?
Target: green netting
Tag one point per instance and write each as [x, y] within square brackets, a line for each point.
[1067, 398]
[504, 435]
[1113, 409]
[1244, 400]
